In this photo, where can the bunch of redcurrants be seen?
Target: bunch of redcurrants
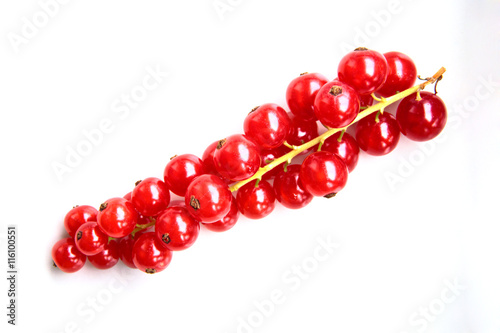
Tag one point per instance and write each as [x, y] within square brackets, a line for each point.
[145, 226]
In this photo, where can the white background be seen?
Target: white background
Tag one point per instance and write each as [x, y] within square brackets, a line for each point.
[401, 246]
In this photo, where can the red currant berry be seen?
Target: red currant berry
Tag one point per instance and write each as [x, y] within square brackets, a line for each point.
[236, 158]
[378, 135]
[90, 239]
[347, 148]
[256, 202]
[364, 70]
[401, 74]
[301, 93]
[228, 221]
[180, 171]
[66, 256]
[177, 229]
[150, 196]
[302, 131]
[289, 189]
[424, 119]
[267, 126]
[208, 198]
[323, 174]
[78, 216]
[108, 257]
[117, 217]
[336, 104]
[267, 156]
[149, 255]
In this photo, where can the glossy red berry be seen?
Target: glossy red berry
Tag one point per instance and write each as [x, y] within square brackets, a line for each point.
[267, 126]
[301, 93]
[256, 202]
[149, 255]
[208, 198]
[117, 217]
[150, 196]
[289, 190]
[78, 216]
[364, 70]
[302, 131]
[90, 239]
[424, 119]
[180, 172]
[108, 257]
[66, 256]
[236, 158]
[177, 229]
[336, 104]
[378, 137]
[401, 74]
[228, 221]
[323, 174]
[347, 148]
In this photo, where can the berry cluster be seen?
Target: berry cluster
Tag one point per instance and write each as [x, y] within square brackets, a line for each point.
[145, 226]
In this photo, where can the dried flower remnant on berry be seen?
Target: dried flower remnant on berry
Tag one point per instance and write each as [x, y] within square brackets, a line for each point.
[336, 90]
[221, 143]
[195, 203]
[165, 238]
[103, 206]
[254, 109]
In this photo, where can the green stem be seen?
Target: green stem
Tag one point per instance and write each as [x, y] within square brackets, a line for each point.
[321, 138]
[320, 145]
[286, 144]
[341, 136]
[257, 182]
[144, 226]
